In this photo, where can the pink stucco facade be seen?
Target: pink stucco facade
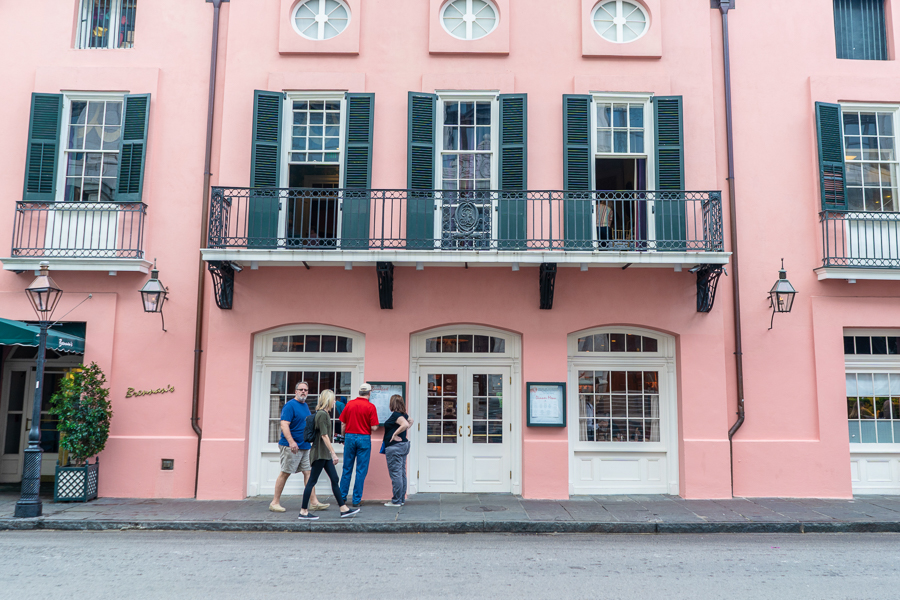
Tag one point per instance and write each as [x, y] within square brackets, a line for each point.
[794, 441]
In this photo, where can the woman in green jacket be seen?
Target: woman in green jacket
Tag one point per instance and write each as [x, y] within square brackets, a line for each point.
[323, 458]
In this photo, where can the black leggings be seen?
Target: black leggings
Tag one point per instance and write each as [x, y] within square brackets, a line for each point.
[317, 467]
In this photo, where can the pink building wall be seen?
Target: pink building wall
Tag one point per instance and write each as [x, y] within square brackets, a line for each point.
[170, 60]
[794, 442]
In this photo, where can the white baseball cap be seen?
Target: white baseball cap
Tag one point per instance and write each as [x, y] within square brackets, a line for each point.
[365, 387]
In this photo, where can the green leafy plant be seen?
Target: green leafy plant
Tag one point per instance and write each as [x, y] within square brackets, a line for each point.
[81, 404]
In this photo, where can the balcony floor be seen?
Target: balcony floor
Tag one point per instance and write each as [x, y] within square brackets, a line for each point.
[450, 258]
[112, 265]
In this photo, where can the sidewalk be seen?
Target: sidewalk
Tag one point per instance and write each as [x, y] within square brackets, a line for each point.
[473, 513]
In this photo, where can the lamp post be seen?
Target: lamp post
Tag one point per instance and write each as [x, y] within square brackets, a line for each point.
[781, 296]
[153, 295]
[44, 295]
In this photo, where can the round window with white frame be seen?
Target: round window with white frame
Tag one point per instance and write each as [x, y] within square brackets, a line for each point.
[620, 21]
[320, 19]
[469, 19]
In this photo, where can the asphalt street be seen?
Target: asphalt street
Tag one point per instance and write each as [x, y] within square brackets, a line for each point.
[135, 564]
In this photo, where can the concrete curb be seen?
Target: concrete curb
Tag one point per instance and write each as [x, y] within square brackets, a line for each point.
[351, 526]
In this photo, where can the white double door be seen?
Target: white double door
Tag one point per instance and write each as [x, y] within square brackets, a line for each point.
[465, 430]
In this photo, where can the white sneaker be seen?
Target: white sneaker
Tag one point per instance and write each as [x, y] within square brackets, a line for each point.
[392, 504]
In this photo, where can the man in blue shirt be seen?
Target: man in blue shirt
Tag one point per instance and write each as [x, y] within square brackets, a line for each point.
[294, 451]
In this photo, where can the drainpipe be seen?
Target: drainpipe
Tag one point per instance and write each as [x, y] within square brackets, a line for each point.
[724, 6]
[204, 225]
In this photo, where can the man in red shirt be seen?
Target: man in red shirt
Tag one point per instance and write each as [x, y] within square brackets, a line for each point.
[359, 420]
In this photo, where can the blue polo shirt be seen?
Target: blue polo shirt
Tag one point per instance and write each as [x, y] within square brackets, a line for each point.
[295, 412]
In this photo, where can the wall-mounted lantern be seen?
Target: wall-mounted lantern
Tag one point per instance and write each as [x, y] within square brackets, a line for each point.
[154, 294]
[781, 296]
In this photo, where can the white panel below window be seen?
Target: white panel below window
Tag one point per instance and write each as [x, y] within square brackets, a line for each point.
[875, 473]
[620, 473]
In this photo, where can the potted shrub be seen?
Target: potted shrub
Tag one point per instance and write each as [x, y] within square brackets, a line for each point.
[82, 408]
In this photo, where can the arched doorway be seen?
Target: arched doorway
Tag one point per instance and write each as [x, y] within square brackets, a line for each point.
[623, 433]
[466, 396]
[324, 357]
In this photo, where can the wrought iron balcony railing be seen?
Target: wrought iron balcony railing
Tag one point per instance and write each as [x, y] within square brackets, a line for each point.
[860, 239]
[353, 219]
[79, 229]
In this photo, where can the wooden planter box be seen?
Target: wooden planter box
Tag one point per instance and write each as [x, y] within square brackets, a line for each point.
[76, 484]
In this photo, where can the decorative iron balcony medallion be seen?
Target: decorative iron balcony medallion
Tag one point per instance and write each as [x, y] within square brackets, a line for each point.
[466, 217]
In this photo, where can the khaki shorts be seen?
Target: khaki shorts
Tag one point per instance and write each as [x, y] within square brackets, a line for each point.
[293, 462]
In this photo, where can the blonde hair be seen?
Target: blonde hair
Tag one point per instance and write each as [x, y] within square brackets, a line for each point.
[326, 400]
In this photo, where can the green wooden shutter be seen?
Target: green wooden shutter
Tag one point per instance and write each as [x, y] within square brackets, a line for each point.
[577, 221]
[513, 207]
[133, 150]
[43, 147]
[355, 205]
[420, 171]
[265, 170]
[831, 156]
[671, 228]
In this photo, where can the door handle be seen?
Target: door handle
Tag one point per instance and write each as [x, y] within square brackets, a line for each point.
[470, 431]
[27, 425]
[468, 407]
[460, 431]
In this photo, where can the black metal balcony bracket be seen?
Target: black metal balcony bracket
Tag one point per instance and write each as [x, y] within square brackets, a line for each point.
[707, 281]
[548, 284]
[223, 283]
[385, 272]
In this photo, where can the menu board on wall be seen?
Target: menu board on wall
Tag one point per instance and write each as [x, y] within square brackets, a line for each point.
[381, 394]
[546, 404]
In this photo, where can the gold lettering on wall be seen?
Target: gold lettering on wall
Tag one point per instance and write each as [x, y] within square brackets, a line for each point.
[133, 393]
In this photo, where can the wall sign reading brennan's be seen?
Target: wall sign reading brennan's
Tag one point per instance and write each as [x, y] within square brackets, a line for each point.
[132, 393]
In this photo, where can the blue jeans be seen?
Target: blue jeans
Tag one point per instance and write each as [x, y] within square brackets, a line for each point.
[357, 448]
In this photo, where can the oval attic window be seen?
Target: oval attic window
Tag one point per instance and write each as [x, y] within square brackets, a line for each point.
[469, 19]
[620, 21]
[321, 19]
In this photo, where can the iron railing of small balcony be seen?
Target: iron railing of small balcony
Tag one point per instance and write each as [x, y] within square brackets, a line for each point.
[79, 229]
[318, 219]
[860, 239]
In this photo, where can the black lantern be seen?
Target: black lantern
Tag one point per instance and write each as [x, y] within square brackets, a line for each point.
[154, 294]
[781, 296]
[43, 293]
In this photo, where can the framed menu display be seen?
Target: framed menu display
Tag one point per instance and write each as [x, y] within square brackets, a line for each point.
[546, 404]
[381, 394]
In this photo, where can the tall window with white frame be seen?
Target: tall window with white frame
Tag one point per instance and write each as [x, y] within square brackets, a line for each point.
[91, 150]
[314, 170]
[870, 153]
[620, 169]
[467, 172]
[106, 24]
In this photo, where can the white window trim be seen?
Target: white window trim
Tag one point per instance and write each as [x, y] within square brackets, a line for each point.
[649, 149]
[874, 107]
[83, 35]
[287, 130]
[463, 96]
[617, 40]
[469, 37]
[871, 363]
[264, 361]
[321, 26]
[664, 362]
[68, 98]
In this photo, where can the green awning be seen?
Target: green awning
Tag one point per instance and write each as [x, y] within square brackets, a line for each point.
[17, 333]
